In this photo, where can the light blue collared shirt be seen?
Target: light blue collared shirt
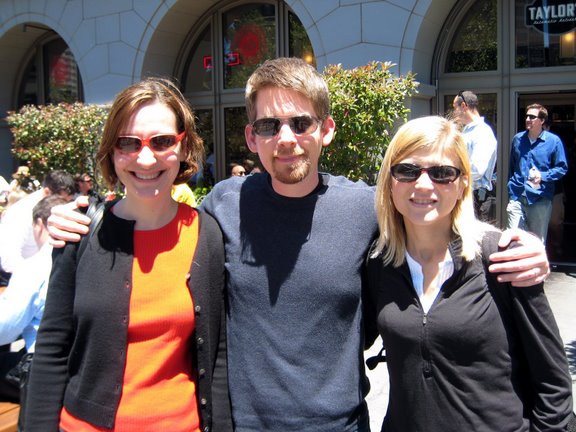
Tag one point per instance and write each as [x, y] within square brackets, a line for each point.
[22, 304]
[481, 144]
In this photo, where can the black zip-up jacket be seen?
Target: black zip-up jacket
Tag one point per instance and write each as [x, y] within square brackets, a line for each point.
[81, 346]
[486, 357]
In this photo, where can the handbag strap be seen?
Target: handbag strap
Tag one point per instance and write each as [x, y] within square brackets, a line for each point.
[95, 213]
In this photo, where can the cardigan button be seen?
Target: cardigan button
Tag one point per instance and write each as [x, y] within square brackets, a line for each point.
[187, 276]
[203, 401]
[200, 341]
[206, 429]
[202, 372]
[197, 308]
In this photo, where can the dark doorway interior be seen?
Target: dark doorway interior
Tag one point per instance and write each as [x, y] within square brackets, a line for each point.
[561, 242]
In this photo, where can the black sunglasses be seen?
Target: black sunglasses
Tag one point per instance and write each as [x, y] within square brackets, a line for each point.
[461, 95]
[531, 116]
[157, 143]
[408, 173]
[270, 126]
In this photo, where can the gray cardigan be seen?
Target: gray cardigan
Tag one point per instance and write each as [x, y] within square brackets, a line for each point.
[81, 347]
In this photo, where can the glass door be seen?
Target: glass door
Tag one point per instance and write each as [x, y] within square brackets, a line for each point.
[562, 227]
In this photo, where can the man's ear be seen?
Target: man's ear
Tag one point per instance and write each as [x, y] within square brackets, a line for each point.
[328, 129]
[250, 139]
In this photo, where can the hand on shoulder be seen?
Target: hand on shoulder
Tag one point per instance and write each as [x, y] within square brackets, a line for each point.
[524, 262]
[66, 224]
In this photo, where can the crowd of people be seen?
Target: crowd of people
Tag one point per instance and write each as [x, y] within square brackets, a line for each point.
[252, 312]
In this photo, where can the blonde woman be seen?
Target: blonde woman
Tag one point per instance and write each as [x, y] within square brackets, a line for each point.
[464, 352]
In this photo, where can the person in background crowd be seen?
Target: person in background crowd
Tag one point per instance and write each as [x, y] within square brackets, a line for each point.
[16, 233]
[132, 337]
[22, 303]
[4, 191]
[22, 180]
[84, 183]
[481, 144]
[85, 187]
[252, 167]
[294, 260]
[537, 161]
[237, 170]
[464, 352]
[183, 194]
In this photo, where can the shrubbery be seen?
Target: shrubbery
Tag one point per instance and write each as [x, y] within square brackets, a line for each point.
[366, 103]
[63, 136]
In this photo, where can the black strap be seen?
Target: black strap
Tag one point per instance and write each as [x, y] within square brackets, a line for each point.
[373, 361]
[95, 213]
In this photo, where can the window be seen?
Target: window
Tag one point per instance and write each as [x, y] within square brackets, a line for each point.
[227, 47]
[58, 81]
[542, 41]
[475, 45]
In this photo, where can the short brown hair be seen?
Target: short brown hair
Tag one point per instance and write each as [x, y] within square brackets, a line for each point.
[42, 209]
[125, 105]
[289, 73]
[542, 112]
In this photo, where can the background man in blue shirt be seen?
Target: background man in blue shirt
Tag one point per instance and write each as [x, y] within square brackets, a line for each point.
[537, 160]
[482, 146]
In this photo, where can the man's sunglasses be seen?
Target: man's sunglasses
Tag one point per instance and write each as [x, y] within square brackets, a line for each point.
[408, 173]
[157, 143]
[270, 126]
[461, 96]
[531, 116]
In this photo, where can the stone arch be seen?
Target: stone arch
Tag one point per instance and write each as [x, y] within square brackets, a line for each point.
[18, 38]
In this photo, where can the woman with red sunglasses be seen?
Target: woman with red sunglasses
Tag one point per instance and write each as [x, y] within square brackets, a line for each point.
[464, 352]
[132, 337]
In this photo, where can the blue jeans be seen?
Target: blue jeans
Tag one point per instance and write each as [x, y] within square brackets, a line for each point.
[530, 217]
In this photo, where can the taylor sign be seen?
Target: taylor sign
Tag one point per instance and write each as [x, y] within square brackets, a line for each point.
[551, 16]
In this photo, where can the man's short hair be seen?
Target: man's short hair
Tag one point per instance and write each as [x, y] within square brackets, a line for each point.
[60, 182]
[542, 112]
[42, 209]
[288, 73]
[469, 98]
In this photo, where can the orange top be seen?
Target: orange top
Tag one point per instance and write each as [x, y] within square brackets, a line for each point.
[159, 388]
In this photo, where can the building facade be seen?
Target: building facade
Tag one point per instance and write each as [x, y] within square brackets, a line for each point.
[510, 52]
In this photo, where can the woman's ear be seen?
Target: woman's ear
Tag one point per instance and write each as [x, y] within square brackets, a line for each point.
[463, 185]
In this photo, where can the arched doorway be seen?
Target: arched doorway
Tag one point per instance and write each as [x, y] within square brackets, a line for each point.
[221, 53]
[492, 48]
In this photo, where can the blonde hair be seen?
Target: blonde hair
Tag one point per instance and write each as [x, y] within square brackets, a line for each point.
[430, 133]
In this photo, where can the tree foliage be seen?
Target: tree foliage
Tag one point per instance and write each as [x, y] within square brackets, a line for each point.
[63, 136]
[366, 102]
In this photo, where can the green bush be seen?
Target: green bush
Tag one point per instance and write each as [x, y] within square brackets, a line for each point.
[200, 193]
[366, 103]
[63, 136]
